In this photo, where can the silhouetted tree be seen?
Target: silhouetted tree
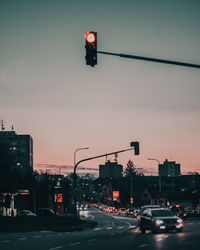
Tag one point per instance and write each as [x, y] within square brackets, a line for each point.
[130, 169]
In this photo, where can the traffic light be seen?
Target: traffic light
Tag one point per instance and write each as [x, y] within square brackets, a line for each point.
[91, 48]
[135, 144]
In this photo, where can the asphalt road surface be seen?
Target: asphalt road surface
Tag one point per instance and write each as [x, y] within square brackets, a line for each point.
[113, 232]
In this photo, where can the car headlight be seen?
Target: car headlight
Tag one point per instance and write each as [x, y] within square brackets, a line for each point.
[180, 221]
[159, 222]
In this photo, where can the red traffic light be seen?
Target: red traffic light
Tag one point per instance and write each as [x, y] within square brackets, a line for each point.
[91, 48]
[90, 37]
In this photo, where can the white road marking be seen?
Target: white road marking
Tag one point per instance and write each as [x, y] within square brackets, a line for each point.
[120, 227]
[75, 244]
[22, 239]
[109, 228]
[55, 248]
[143, 245]
[5, 241]
[98, 228]
[36, 236]
[90, 240]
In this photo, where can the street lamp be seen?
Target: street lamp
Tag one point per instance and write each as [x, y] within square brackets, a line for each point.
[76, 152]
[159, 175]
[74, 181]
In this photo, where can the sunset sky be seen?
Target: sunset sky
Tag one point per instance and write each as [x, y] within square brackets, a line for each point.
[47, 91]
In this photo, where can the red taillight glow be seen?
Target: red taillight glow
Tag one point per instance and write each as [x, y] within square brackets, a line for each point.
[90, 37]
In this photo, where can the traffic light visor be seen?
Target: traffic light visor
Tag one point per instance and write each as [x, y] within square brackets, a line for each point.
[90, 37]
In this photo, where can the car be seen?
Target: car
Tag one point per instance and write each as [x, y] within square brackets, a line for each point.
[179, 210]
[159, 220]
[130, 212]
[148, 206]
[145, 207]
[122, 211]
[45, 212]
[26, 213]
[136, 213]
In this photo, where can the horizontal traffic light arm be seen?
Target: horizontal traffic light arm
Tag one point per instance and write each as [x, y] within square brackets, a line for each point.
[151, 59]
[99, 156]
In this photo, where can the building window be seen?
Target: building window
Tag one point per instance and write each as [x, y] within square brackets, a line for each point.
[13, 143]
[23, 150]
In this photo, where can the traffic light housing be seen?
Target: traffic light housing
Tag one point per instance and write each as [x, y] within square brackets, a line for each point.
[91, 48]
[135, 144]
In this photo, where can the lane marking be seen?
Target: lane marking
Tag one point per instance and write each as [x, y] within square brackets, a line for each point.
[55, 248]
[109, 228]
[90, 240]
[22, 239]
[120, 227]
[75, 244]
[36, 236]
[5, 241]
[132, 226]
[96, 229]
[143, 245]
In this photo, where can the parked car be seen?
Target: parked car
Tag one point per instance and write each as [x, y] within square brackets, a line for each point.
[160, 219]
[26, 213]
[45, 212]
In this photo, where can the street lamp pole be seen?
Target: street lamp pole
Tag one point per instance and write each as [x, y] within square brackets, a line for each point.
[76, 152]
[74, 181]
[159, 175]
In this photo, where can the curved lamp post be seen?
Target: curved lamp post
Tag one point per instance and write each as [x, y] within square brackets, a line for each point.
[159, 175]
[75, 177]
[76, 152]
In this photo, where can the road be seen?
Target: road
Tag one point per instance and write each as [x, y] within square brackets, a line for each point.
[113, 232]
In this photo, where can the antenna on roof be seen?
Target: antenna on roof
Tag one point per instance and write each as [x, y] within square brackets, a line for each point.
[2, 125]
[12, 128]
